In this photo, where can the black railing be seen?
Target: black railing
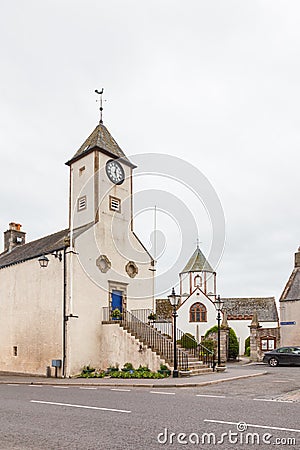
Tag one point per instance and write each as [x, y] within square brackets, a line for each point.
[150, 336]
[199, 351]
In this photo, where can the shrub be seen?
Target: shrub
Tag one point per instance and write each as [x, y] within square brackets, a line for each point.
[247, 351]
[210, 344]
[127, 367]
[233, 348]
[213, 329]
[247, 344]
[187, 341]
[88, 372]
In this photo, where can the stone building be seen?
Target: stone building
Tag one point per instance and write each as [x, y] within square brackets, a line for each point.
[62, 310]
[290, 307]
[197, 312]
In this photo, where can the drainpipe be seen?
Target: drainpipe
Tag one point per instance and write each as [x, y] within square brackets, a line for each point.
[64, 334]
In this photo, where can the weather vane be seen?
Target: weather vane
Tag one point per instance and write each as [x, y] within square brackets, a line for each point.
[100, 100]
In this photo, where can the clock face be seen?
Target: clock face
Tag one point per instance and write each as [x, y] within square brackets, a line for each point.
[115, 171]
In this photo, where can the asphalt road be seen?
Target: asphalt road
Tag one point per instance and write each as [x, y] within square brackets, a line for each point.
[72, 417]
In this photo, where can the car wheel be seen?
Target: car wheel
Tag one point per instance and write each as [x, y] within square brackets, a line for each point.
[273, 362]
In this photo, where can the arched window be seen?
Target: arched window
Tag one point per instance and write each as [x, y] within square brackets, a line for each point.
[197, 281]
[198, 313]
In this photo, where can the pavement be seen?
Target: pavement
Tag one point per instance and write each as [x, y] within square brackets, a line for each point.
[234, 371]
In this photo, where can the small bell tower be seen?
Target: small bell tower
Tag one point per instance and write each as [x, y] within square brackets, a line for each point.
[197, 273]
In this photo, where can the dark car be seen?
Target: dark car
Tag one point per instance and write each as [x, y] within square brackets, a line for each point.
[283, 356]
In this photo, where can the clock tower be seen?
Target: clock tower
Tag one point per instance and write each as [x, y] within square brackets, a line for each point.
[105, 248]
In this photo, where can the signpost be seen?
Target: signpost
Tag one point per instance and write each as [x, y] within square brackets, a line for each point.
[287, 323]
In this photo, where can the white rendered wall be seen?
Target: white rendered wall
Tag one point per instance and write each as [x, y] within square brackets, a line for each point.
[31, 312]
[197, 329]
[290, 312]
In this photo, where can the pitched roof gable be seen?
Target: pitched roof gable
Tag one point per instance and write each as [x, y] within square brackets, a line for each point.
[197, 263]
[292, 288]
[34, 249]
[102, 139]
[243, 308]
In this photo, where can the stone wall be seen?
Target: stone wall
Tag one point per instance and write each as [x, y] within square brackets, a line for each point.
[256, 334]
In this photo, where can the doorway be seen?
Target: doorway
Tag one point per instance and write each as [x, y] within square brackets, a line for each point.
[116, 300]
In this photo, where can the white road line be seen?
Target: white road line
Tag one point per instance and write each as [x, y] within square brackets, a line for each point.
[212, 396]
[61, 387]
[163, 393]
[87, 388]
[254, 426]
[10, 384]
[272, 400]
[35, 385]
[120, 390]
[81, 406]
[280, 381]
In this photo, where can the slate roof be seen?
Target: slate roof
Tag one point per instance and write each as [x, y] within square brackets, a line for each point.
[243, 308]
[34, 249]
[197, 263]
[236, 308]
[292, 288]
[102, 139]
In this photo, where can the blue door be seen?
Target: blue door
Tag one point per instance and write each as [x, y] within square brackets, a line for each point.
[116, 300]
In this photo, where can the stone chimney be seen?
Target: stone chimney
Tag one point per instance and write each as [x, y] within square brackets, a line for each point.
[13, 236]
[297, 258]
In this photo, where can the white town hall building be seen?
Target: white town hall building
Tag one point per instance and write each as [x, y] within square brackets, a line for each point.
[54, 314]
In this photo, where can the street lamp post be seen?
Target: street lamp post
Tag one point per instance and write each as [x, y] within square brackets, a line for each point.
[219, 305]
[174, 300]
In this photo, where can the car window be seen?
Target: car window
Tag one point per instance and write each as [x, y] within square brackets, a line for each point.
[295, 350]
[283, 350]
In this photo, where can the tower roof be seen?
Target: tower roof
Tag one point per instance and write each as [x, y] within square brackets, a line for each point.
[197, 263]
[292, 288]
[102, 139]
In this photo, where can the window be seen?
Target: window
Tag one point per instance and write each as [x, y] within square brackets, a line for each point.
[267, 343]
[81, 170]
[81, 203]
[197, 281]
[114, 204]
[198, 313]
[15, 350]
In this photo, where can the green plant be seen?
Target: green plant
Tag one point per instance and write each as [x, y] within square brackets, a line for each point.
[88, 372]
[247, 351]
[247, 344]
[139, 373]
[127, 367]
[152, 316]
[213, 329]
[187, 341]
[116, 313]
[209, 344]
[113, 369]
[233, 347]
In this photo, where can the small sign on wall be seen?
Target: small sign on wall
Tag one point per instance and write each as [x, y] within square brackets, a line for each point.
[288, 323]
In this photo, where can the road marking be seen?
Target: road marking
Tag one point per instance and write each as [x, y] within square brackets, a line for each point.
[212, 396]
[254, 426]
[61, 387]
[280, 381]
[34, 385]
[271, 400]
[163, 393]
[120, 390]
[87, 388]
[10, 384]
[81, 406]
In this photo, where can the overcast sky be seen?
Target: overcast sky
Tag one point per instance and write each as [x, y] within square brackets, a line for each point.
[214, 83]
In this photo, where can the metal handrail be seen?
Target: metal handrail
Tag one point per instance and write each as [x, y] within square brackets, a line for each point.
[150, 337]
